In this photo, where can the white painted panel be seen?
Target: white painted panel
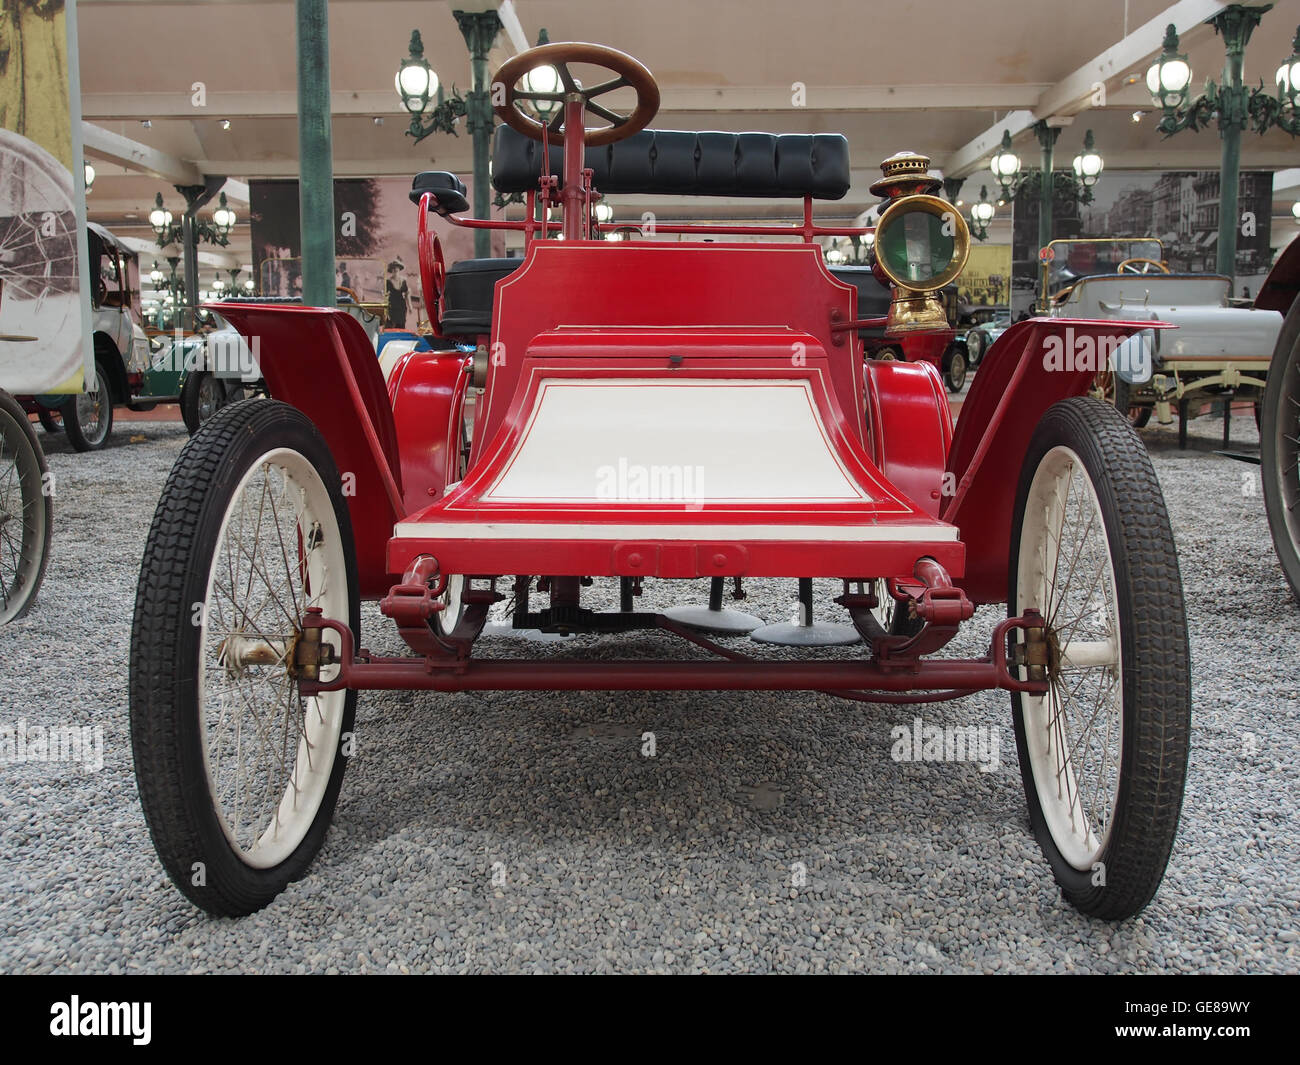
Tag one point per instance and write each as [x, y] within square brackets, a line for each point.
[689, 441]
[648, 533]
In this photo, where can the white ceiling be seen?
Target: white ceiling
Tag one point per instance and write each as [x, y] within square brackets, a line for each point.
[940, 79]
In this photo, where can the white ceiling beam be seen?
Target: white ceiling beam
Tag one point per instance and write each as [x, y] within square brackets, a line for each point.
[234, 105]
[104, 144]
[519, 40]
[973, 155]
[1074, 93]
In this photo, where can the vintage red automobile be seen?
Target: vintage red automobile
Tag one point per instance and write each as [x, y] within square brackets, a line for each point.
[596, 366]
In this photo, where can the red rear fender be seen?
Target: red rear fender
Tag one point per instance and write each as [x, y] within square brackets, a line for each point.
[321, 361]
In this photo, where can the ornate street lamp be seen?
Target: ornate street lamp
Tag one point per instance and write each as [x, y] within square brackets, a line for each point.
[168, 231]
[1231, 105]
[160, 220]
[1005, 165]
[981, 214]
[604, 213]
[1169, 76]
[156, 275]
[417, 85]
[218, 286]
[1288, 86]
[89, 173]
[542, 91]
[1011, 176]
[223, 217]
[1088, 164]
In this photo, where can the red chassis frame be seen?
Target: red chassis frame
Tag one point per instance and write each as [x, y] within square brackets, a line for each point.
[930, 509]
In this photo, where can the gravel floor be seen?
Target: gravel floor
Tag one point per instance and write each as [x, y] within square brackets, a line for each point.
[683, 861]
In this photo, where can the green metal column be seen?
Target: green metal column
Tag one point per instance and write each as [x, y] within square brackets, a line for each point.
[1047, 181]
[480, 29]
[315, 155]
[1234, 24]
[196, 196]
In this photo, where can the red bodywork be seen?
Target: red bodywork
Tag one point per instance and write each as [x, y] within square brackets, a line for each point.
[925, 506]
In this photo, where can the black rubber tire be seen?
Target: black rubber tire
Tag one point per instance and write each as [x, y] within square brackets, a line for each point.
[1123, 391]
[1279, 429]
[29, 550]
[50, 419]
[201, 386]
[1156, 684]
[954, 369]
[77, 436]
[166, 725]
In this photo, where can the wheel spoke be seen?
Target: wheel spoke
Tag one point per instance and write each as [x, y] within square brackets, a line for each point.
[277, 555]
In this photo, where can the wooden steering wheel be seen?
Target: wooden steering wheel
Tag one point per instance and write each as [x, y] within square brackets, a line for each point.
[627, 71]
[1141, 266]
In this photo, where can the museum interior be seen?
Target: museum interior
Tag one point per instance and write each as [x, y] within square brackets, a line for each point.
[650, 446]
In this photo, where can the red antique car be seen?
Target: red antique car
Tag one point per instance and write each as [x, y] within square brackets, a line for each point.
[643, 411]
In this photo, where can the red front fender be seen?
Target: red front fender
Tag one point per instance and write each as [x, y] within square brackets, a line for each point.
[321, 361]
[1031, 366]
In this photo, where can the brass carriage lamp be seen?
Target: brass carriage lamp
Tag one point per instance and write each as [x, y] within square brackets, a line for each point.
[922, 243]
[1170, 75]
[224, 218]
[1088, 164]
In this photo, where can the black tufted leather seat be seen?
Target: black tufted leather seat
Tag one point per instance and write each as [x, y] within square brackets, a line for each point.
[662, 162]
[471, 284]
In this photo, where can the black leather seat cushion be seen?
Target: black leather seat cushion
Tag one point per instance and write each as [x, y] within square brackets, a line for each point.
[471, 284]
[662, 162]
[448, 191]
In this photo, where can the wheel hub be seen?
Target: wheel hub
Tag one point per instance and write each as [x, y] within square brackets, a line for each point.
[237, 653]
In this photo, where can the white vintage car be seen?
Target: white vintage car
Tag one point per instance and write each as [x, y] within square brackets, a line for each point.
[1218, 351]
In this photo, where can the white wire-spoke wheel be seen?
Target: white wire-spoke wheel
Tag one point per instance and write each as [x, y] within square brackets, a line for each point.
[26, 511]
[1279, 446]
[1104, 753]
[238, 772]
